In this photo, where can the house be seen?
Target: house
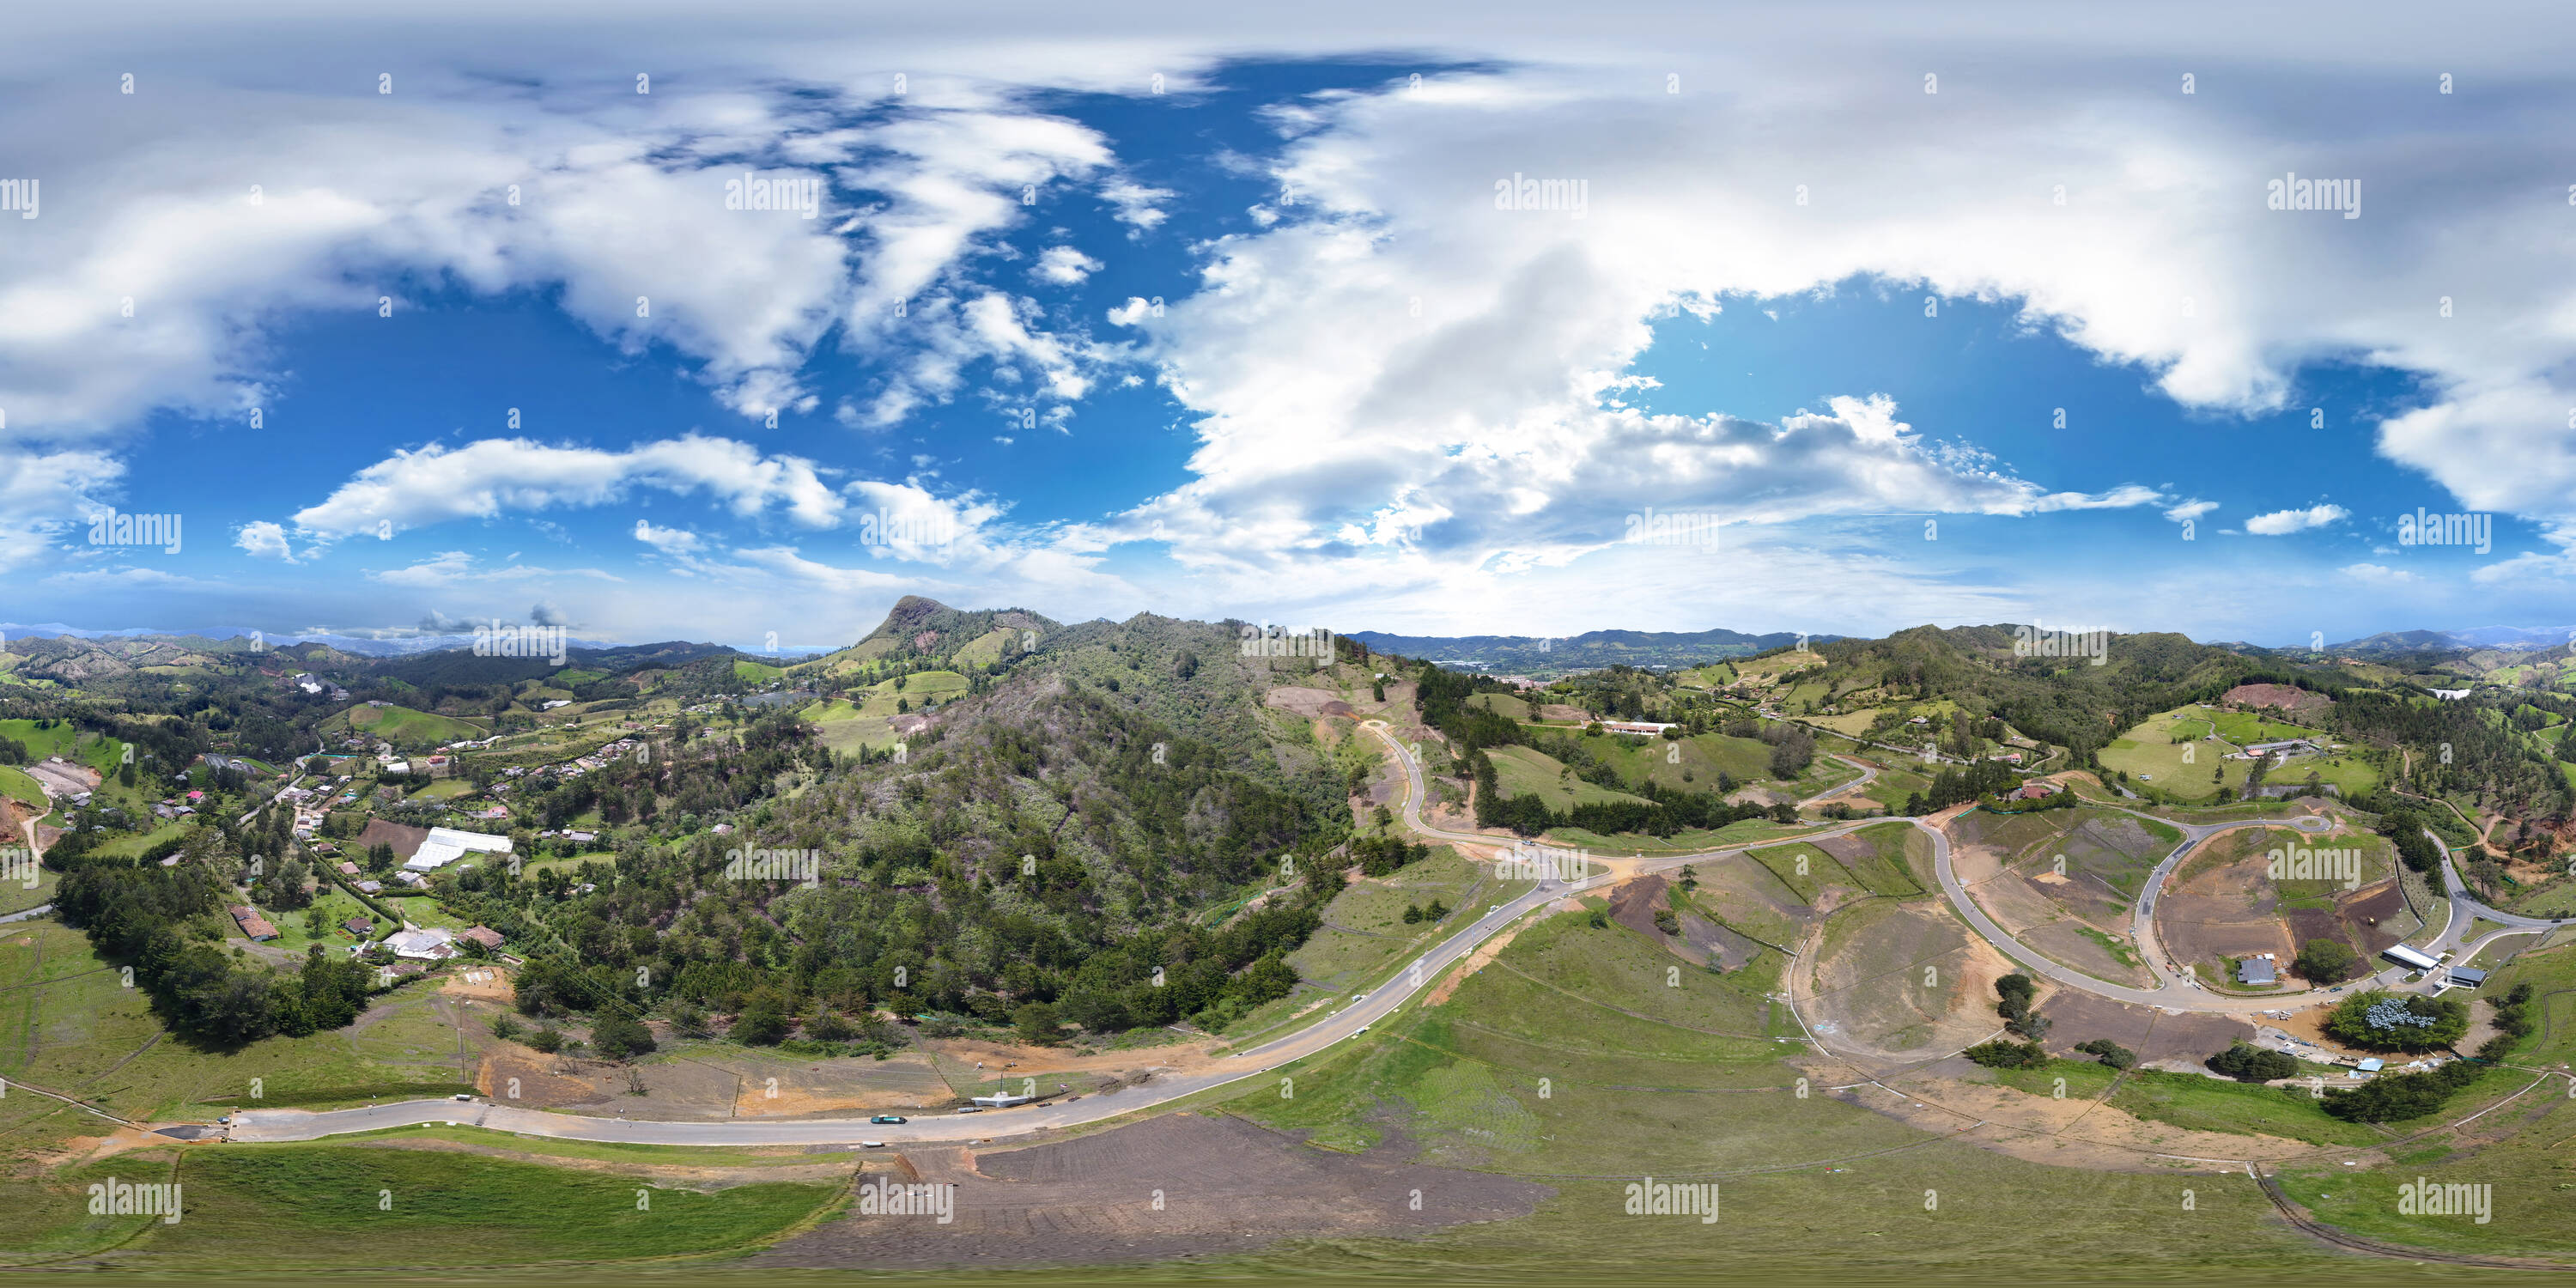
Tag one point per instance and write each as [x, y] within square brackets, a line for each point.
[445, 845]
[433, 945]
[2255, 970]
[349, 869]
[486, 936]
[2372, 1065]
[371, 887]
[2006, 757]
[396, 767]
[359, 926]
[2034, 791]
[253, 925]
[2467, 978]
[1644, 728]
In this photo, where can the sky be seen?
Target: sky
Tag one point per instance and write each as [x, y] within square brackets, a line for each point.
[1434, 319]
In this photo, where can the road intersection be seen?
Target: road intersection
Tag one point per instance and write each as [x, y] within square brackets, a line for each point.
[2176, 993]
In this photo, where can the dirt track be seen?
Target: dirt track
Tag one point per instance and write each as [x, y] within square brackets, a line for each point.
[1224, 1185]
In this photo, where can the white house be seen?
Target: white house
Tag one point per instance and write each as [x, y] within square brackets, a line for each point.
[431, 945]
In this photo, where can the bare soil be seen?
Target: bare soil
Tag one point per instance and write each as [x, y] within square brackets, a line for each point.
[1175, 1186]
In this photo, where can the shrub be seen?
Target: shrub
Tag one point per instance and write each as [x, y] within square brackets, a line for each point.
[617, 1035]
[2109, 1052]
[2003, 1053]
[2383, 1021]
[547, 1039]
[2392, 1097]
[2248, 1063]
[2326, 961]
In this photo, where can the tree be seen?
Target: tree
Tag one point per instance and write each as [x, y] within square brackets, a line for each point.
[2109, 1052]
[547, 1039]
[617, 1035]
[828, 1026]
[2326, 961]
[2003, 1053]
[2379, 1020]
[763, 1022]
[1037, 1023]
[2246, 1062]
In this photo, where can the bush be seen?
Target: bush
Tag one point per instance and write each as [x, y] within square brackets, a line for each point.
[617, 1035]
[2392, 1097]
[1666, 922]
[1038, 1023]
[2109, 1052]
[2326, 961]
[2379, 1020]
[547, 1039]
[2003, 1053]
[828, 1026]
[504, 1027]
[2248, 1063]
[763, 1022]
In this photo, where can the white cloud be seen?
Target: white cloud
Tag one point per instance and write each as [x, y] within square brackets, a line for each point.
[481, 479]
[264, 540]
[2372, 574]
[2281, 523]
[1063, 266]
[455, 567]
[2189, 510]
[670, 541]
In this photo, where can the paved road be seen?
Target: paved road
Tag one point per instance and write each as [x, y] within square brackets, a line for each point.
[28, 915]
[1868, 775]
[2174, 994]
[1350, 1021]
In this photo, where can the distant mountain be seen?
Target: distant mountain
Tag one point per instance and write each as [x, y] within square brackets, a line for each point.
[1543, 655]
[2508, 638]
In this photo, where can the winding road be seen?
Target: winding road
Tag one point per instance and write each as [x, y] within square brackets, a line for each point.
[2175, 994]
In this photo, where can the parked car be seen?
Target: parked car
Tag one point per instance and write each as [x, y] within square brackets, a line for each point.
[887, 1118]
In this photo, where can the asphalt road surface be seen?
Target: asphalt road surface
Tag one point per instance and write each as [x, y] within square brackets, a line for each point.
[2175, 993]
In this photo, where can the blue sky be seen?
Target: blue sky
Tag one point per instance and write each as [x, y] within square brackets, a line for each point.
[1255, 340]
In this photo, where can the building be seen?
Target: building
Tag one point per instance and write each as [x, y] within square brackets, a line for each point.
[486, 936]
[2467, 978]
[433, 945]
[349, 870]
[1641, 728]
[359, 926]
[253, 926]
[2256, 970]
[2372, 1065]
[2034, 791]
[2405, 956]
[1002, 1102]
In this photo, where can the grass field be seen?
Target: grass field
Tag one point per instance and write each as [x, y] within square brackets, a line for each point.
[15, 784]
[756, 672]
[1523, 772]
[405, 727]
[2156, 748]
[325, 1206]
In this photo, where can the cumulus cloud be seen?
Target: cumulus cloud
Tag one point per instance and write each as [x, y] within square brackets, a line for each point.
[2281, 523]
[1063, 266]
[481, 479]
[264, 540]
[2186, 511]
[2372, 574]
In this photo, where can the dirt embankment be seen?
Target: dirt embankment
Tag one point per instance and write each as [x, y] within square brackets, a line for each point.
[1174, 1186]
